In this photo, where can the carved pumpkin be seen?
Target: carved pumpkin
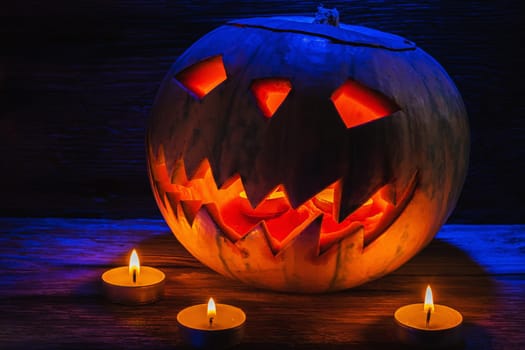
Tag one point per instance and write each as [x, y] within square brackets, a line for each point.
[305, 157]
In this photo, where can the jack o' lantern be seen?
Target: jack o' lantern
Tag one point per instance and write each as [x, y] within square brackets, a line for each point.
[306, 157]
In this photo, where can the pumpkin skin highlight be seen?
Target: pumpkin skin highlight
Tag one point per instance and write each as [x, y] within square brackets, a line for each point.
[304, 148]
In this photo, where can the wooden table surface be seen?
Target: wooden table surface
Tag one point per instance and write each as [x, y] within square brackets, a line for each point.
[51, 297]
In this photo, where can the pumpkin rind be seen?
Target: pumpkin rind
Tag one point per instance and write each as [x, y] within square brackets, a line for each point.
[305, 147]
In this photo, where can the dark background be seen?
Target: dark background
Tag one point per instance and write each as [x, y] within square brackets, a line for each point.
[78, 78]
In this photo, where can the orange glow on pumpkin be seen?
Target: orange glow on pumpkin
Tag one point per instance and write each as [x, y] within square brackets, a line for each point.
[270, 94]
[231, 209]
[359, 105]
[203, 76]
[282, 221]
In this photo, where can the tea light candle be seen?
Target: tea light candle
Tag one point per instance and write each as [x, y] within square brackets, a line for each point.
[133, 284]
[211, 326]
[428, 324]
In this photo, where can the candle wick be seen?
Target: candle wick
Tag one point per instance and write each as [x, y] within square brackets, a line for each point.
[211, 321]
[134, 275]
[428, 316]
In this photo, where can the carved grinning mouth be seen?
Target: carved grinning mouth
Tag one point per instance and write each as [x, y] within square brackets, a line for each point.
[232, 212]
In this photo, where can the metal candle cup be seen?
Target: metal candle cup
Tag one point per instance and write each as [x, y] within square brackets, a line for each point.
[219, 330]
[133, 285]
[438, 327]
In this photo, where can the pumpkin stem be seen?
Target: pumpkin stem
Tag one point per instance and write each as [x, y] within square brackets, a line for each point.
[327, 16]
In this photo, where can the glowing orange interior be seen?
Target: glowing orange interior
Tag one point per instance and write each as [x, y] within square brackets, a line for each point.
[233, 213]
[282, 220]
[270, 94]
[358, 104]
[203, 76]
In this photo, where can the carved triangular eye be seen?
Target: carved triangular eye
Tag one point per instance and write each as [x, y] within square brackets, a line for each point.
[270, 94]
[203, 76]
[358, 104]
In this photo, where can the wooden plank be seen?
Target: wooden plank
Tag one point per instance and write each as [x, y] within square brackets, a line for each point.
[50, 292]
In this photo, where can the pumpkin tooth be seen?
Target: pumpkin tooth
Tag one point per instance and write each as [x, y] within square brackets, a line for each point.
[402, 197]
[353, 197]
[162, 200]
[256, 242]
[159, 171]
[397, 192]
[173, 199]
[194, 167]
[305, 245]
[178, 175]
[229, 182]
[222, 172]
[212, 210]
[257, 192]
[297, 190]
[273, 244]
[201, 170]
[190, 209]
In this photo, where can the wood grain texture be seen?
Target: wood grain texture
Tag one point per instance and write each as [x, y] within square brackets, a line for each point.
[50, 292]
[77, 81]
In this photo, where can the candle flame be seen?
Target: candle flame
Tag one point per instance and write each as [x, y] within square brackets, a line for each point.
[134, 263]
[429, 301]
[211, 308]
